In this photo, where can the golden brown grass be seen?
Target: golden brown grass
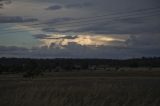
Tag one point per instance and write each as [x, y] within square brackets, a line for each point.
[80, 91]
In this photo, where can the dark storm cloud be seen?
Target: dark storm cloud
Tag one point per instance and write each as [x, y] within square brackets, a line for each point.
[74, 50]
[122, 26]
[40, 36]
[139, 23]
[54, 7]
[49, 30]
[1, 5]
[70, 51]
[16, 19]
[144, 40]
[132, 20]
[11, 48]
[59, 20]
[56, 21]
[4, 2]
[79, 5]
[68, 37]
[144, 44]
[43, 36]
[144, 31]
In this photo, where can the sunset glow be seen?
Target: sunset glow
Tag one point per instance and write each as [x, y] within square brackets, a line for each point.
[83, 40]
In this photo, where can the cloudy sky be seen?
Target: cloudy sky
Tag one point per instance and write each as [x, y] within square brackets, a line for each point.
[79, 28]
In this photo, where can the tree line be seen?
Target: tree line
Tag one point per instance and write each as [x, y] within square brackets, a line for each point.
[21, 65]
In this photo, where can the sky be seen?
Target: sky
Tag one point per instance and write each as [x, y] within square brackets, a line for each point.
[112, 29]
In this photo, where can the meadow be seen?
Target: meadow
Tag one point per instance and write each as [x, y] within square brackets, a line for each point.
[81, 89]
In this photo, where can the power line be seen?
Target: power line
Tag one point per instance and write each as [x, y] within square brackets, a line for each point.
[40, 29]
[136, 12]
[71, 25]
[100, 16]
[95, 21]
[113, 13]
[114, 19]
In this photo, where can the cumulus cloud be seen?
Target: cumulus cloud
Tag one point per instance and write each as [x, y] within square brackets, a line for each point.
[102, 46]
[16, 19]
[83, 40]
[84, 46]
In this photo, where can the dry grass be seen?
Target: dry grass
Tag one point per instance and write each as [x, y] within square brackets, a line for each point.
[80, 91]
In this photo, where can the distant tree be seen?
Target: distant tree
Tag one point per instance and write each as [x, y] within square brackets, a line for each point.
[34, 67]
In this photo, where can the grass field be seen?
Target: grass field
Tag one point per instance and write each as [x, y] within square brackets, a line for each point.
[82, 89]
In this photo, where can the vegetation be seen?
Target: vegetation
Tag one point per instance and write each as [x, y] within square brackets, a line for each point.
[20, 65]
[79, 91]
[79, 82]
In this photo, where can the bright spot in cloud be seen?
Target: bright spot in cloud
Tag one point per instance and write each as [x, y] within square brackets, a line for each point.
[83, 40]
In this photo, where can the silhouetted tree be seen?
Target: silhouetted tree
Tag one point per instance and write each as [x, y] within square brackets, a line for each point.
[32, 67]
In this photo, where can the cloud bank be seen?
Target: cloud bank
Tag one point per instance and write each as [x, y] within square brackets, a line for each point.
[54, 7]
[16, 19]
[82, 29]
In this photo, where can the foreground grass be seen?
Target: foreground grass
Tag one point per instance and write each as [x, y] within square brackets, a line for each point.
[80, 91]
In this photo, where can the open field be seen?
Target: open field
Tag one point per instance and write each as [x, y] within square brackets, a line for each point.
[81, 89]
